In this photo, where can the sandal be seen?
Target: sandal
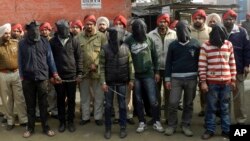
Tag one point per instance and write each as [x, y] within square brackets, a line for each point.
[50, 133]
[27, 133]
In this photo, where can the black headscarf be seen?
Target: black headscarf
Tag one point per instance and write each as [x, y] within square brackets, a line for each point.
[139, 30]
[218, 35]
[33, 33]
[183, 31]
[116, 35]
[63, 29]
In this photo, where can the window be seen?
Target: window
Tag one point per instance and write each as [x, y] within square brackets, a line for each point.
[89, 4]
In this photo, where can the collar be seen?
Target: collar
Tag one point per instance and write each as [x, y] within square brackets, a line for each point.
[235, 29]
[184, 43]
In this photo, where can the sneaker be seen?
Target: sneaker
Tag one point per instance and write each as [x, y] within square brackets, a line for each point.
[187, 131]
[157, 126]
[142, 126]
[207, 135]
[169, 131]
[123, 132]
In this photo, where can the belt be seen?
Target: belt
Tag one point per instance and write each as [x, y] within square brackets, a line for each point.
[8, 70]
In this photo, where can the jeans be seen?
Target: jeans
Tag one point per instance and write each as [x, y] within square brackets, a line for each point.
[189, 88]
[149, 86]
[121, 89]
[217, 93]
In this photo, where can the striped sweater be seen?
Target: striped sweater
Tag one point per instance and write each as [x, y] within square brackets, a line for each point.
[217, 65]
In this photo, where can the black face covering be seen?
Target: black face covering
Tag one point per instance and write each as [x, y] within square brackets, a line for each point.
[218, 35]
[183, 31]
[33, 33]
[115, 38]
[139, 30]
[63, 29]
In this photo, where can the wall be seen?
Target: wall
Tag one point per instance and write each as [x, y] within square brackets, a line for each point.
[23, 11]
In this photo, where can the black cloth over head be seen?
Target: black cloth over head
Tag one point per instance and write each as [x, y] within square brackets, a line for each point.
[218, 35]
[183, 31]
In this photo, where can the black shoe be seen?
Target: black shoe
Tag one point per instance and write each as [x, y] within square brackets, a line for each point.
[61, 127]
[201, 114]
[71, 127]
[131, 121]
[9, 127]
[225, 135]
[180, 108]
[123, 132]
[107, 134]
[54, 116]
[166, 122]
[207, 135]
[83, 122]
[4, 120]
[1, 114]
[99, 122]
[23, 124]
[115, 121]
[151, 122]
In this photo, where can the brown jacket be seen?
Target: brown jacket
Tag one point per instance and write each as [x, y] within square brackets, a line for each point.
[8, 55]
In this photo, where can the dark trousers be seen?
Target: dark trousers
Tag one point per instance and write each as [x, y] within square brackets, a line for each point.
[33, 90]
[66, 90]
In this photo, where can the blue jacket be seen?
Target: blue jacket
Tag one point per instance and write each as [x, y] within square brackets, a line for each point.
[35, 60]
[241, 45]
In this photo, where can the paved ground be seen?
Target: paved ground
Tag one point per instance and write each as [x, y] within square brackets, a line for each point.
[91, 132]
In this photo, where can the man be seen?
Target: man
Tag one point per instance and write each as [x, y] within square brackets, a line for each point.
[200, 31]
[68, 59]
[76, 27]
[17, 31]
[181, 78]
[10, 83]
[146, 66]
[117, 73]
[35, 61]
[102, 24]
[91, 41]
[241, 44]
[45, 30]
[246, 24]
[217, 71]
[162, 35]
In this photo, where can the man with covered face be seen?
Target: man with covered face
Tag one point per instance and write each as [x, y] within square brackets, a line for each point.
[200, 31]
[117, 73]
[68, 59]
[91, 41]
[35, 61]
[145, 60]
[217, 71]
[241, 45]
[179, 77]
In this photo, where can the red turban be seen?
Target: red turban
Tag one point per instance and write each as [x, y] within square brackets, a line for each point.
[17, 27]
[229, 12]
[199, 12]
[45, 25]
[163, 17]
[90, 18]
[76, 23]
[173, 24]
[122, 19]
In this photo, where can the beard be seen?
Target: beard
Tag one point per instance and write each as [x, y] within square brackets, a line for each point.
[198, 25]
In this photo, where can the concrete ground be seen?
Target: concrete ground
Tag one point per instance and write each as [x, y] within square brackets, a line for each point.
[91, 132]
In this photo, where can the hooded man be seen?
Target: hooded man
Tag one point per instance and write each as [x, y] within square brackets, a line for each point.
[179, 78]
[239, 38]
[217, 83]
[10, 83]
[36, 62]
[117, 72]
[68, 59]
[145, 60]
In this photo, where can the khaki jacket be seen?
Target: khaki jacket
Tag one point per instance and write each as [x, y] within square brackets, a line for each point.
[201, 35]
[8, 55]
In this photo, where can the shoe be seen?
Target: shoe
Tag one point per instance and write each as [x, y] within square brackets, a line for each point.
[180, 108]
[99, 122]
[169, 131]
[207, 135]
[131, 121]
[107, 134]
[1, 114]
[61, 127]
[151, 122]
[187, 131]
[123, 132]
[115, 121]
[166, 122]
[83, 122]
[142, 126]
[9, 127]
[201, 114]
[23, 124]
[4, 120]
[71, 127]
[54, 116]
[158, 127]
[225, 134]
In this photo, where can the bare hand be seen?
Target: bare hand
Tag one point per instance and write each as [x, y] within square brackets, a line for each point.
[93, 67]
[204, 87]
[233, 86]
[131, 85]
[168, 85]
[78, 78]
[157, 77]
[105, 87]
